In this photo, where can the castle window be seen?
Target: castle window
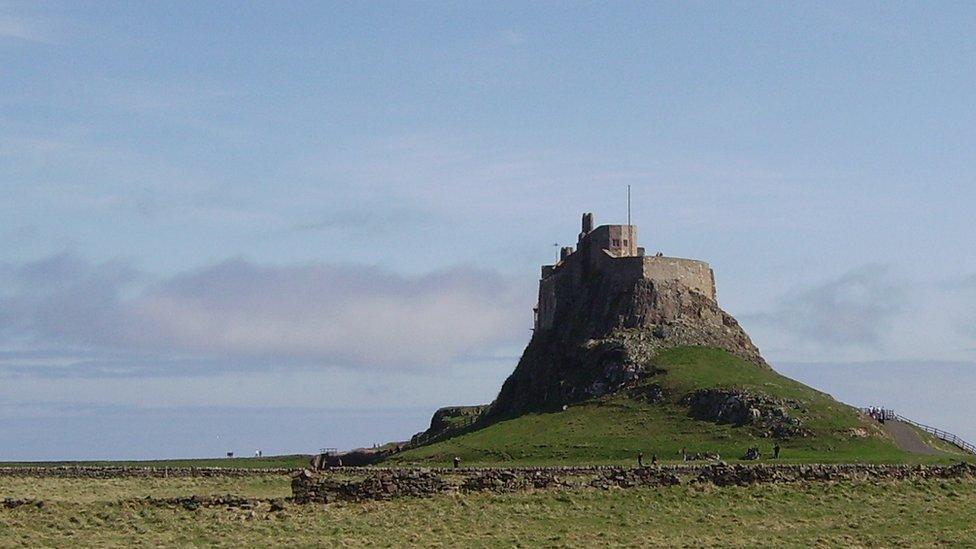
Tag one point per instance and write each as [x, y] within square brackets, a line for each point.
[625, 243]
[616, 242]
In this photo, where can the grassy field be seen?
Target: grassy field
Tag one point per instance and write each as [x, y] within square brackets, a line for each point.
[109, 513]
[614, 429]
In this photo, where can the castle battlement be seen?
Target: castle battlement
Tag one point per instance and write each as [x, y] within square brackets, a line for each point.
[611, 252]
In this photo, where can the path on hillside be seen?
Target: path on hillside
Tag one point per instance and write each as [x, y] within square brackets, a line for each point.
[906, 438]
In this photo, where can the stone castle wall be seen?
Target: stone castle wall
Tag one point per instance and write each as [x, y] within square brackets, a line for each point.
[692, 273]
[609, 255]
[566, 282]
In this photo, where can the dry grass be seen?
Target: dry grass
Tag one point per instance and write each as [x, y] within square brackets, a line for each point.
[108, 513]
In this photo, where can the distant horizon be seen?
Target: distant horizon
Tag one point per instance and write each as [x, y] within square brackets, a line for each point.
[311, 225]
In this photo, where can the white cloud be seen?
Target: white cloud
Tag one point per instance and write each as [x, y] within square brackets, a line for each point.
[853, 309]
[868, 313]
[237, 311]
[20, 29]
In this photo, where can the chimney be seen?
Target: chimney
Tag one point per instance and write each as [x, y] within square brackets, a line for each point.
[587, 223]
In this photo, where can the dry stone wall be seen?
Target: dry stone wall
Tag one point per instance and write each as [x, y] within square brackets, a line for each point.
[368, 484]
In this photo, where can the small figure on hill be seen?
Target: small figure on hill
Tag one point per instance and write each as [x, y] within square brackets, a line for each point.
[653, 459]
[752, 453]
[640, 459]
[457, 462]
[684, 455]
[776, 450]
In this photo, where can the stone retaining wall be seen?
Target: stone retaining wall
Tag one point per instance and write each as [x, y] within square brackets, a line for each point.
[139, 472]
[363, 484]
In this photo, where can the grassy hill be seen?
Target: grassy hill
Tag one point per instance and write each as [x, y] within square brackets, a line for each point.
[611, 430]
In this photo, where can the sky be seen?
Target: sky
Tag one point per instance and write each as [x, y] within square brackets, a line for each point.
[285, 226]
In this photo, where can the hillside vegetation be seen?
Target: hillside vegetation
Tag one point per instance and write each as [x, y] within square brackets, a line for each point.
[652, 418]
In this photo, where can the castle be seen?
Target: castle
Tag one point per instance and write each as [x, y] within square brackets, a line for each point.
[611, 253]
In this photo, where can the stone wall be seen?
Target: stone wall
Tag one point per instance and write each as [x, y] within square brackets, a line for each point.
[692, 273]
[366, 484]
[140, 472]
[619, 240]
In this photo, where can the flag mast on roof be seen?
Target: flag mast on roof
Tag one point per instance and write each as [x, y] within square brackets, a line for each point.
[628, 205]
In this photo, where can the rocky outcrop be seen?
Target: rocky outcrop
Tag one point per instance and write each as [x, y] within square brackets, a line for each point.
[449, 416]
[770, 417]
[230, 501]
[13, 503]
[449, 421]
[605, 333]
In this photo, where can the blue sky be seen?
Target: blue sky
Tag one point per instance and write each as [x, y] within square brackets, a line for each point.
[287, 226]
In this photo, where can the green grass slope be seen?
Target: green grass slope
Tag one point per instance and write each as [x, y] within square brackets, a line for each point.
[611, 430]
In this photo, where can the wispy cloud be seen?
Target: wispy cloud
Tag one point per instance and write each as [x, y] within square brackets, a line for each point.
[854, 309]
[362, 222]
[870, 313]
[238, 313]
[24, 30]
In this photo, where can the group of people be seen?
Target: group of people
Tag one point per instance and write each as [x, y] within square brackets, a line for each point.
[700, 456]
[640, 459]
[879, 414]
[752, 453]
[755, 453]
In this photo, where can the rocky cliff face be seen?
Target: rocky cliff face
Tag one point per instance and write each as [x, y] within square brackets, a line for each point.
[605, 334]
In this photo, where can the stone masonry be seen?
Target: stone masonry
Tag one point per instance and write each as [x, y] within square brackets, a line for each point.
[604, 311]
[367, 484]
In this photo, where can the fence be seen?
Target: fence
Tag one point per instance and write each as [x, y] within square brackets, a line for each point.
[882, 413]
[940, 434]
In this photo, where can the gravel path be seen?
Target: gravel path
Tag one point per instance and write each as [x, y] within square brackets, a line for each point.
[906, 437]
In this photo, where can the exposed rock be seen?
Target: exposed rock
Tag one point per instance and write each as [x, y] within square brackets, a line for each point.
[443, 417]
[769, 416]
[449, 421]
[651, 393]
[12, 503]
[604, 337]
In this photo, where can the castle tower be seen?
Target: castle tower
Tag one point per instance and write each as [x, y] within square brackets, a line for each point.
[587, 222]
[611, 252]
